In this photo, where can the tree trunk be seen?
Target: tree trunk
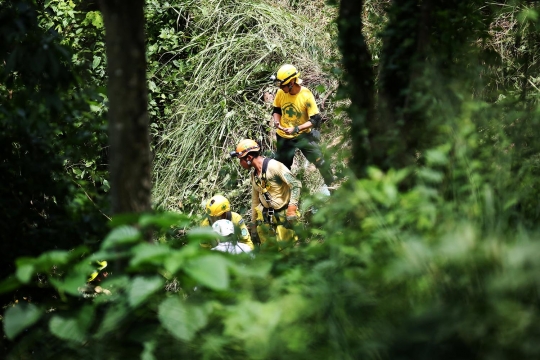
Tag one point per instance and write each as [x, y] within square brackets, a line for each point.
[130, 159]
[404, 40]
[359, 83]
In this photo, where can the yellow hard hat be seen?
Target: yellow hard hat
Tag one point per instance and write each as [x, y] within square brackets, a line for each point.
[217, 206]
[285, 74]
[244, 147]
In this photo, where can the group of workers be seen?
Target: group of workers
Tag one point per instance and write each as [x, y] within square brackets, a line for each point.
[275, 190]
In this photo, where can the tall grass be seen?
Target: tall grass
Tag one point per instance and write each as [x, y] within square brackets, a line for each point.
[234, 46]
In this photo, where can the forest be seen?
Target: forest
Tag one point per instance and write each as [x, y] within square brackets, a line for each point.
[117, 122]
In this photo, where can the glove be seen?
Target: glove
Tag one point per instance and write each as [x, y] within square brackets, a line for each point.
[291, 213]
[252, 227]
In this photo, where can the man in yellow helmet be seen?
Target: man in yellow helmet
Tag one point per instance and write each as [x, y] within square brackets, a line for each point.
[217, 208]
[275, 192]
[295, 114]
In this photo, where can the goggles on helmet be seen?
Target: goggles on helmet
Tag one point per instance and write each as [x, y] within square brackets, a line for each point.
[234, 154]
[278, 82]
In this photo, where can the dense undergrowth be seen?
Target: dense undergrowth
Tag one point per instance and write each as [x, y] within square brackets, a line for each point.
[445, 267]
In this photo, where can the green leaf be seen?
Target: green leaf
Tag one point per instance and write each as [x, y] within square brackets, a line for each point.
[148, 353]
[25, 269]
[164, 220]
[20, 317]
[258, 269]
[430, 175]
[55, 257]
[375, 173]
[124, 219]
[112, 319]
[202, 234]
[509, 203]
[149, 253]
[210, 270]
[9, 284]
[58, 258]
[96, 62]
[436, 157]
[72, 328]
[121, 235]
[94, 17]
[391, 193]
[174, 262]
[180, 319]
[142, 287]
[71, 282]
[66, 328]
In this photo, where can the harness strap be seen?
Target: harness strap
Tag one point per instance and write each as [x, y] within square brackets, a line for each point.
[262, 182]
[269, 212]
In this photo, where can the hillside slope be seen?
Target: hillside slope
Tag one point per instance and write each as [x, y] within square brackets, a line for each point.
[232, 48]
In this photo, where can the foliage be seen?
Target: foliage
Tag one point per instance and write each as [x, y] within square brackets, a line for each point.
[435, 260]
[54, 183]
[400, 275]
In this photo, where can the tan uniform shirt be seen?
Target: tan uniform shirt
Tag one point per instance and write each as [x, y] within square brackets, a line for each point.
[281, 185]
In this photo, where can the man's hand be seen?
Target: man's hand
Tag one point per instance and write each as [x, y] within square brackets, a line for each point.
[291, 130]
[252, 227]
[291, 213]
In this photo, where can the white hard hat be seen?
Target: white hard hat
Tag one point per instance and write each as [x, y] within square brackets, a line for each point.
[223, 227]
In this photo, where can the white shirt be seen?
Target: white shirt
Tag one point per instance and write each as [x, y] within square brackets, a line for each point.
[230, 248]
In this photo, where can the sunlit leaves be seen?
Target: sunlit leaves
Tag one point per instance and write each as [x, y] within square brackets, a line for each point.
[94, 18]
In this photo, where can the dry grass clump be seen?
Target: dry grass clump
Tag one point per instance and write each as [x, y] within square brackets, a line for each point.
[234, 46]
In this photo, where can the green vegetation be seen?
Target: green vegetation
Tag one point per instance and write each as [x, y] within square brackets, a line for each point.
[426, 251]
[224, 53]
[53, 136]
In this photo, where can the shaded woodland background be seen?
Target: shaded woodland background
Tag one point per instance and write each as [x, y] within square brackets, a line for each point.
[117, 118]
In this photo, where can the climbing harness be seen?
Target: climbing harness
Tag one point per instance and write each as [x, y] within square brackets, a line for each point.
[269, 212]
